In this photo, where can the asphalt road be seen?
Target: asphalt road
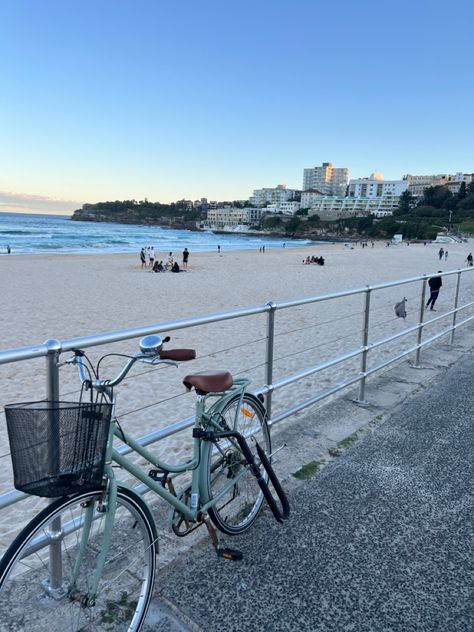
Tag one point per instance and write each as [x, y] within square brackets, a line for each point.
[381, 540]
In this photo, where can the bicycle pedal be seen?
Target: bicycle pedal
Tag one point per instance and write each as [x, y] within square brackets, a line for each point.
[229, 554]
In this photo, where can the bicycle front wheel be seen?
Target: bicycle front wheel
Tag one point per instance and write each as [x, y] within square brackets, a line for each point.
[33, 598]
[237, 503]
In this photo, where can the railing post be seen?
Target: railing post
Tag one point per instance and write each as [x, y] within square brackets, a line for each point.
[365, 342]
[54, 582]
[269, 358]
[456, 300]
[420, 324]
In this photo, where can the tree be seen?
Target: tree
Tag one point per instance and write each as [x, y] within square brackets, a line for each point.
[435, 196]
[468, 202]
[272, 222]
[293, 225]
[313, 219]
[470, 188]
[462, 191]
[405, 203]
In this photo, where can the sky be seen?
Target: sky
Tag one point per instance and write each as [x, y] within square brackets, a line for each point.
[114, 99]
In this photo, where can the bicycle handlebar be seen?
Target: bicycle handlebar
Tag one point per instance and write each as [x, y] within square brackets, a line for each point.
[157, 353]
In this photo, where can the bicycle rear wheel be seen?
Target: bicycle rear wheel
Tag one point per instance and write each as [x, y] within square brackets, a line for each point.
[239, 506]
[125, 588]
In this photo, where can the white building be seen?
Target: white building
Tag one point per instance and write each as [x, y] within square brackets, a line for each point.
[457, 179]
[376, 187]
[330, 207]
[327, 179]
[275, 195]
[310, 197]
[287, 208]
[230, 216]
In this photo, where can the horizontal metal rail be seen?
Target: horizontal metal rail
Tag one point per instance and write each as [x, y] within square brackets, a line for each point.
[54, 348]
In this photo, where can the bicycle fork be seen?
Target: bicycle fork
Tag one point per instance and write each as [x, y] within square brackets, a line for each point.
[108, 507]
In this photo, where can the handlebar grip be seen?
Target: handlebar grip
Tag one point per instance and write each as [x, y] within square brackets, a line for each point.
[179, 355]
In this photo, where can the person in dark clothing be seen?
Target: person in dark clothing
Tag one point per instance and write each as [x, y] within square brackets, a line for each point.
[175, 267]
[185, 258]
[435, 283]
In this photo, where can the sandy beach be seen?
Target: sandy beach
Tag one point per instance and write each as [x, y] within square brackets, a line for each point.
[61, 296]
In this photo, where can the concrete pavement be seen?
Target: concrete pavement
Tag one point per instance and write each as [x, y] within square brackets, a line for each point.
[381, 539]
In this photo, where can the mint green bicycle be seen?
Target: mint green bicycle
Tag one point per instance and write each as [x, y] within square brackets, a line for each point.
[87, 562]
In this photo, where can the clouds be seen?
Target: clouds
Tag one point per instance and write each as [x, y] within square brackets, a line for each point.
[11, 202]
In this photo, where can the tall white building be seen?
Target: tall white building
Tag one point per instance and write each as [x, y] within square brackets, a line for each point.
[327, 179]
[275, 195]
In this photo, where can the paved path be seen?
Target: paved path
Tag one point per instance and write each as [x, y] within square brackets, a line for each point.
[381, 540]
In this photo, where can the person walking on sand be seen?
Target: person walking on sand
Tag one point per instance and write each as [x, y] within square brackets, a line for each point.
[435, 283]
[218, 249]
[440, 253]
[445, 255]
[8, 249]
[469, 259]
[185, 258]
[143, 257]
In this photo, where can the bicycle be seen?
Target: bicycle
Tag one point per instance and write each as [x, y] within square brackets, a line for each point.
[88, 560]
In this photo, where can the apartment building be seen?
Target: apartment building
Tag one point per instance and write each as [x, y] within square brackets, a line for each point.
[326, 178]
[275, 195]
[231, 216]
[457, 179]
[418, 184]
[376, 187]
[287, 208]
[330, 208]
[310, 197]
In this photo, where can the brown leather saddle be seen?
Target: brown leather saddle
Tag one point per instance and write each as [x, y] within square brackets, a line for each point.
[209, 382]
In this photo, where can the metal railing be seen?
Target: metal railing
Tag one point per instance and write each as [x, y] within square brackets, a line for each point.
[51, 350]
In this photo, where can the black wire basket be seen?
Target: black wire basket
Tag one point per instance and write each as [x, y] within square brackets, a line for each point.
[58, 448]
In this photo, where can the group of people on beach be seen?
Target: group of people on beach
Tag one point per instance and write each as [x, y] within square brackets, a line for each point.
[443, 253]
[153, 264]
[318, 260]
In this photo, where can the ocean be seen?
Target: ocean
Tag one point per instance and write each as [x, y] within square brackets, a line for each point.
[28, 234]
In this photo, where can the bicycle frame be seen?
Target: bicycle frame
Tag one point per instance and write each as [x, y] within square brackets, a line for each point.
[203, 417]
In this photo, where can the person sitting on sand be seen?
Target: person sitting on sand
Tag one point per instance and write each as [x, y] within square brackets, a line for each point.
[175, 267]
[169, 261]
[158, 266]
